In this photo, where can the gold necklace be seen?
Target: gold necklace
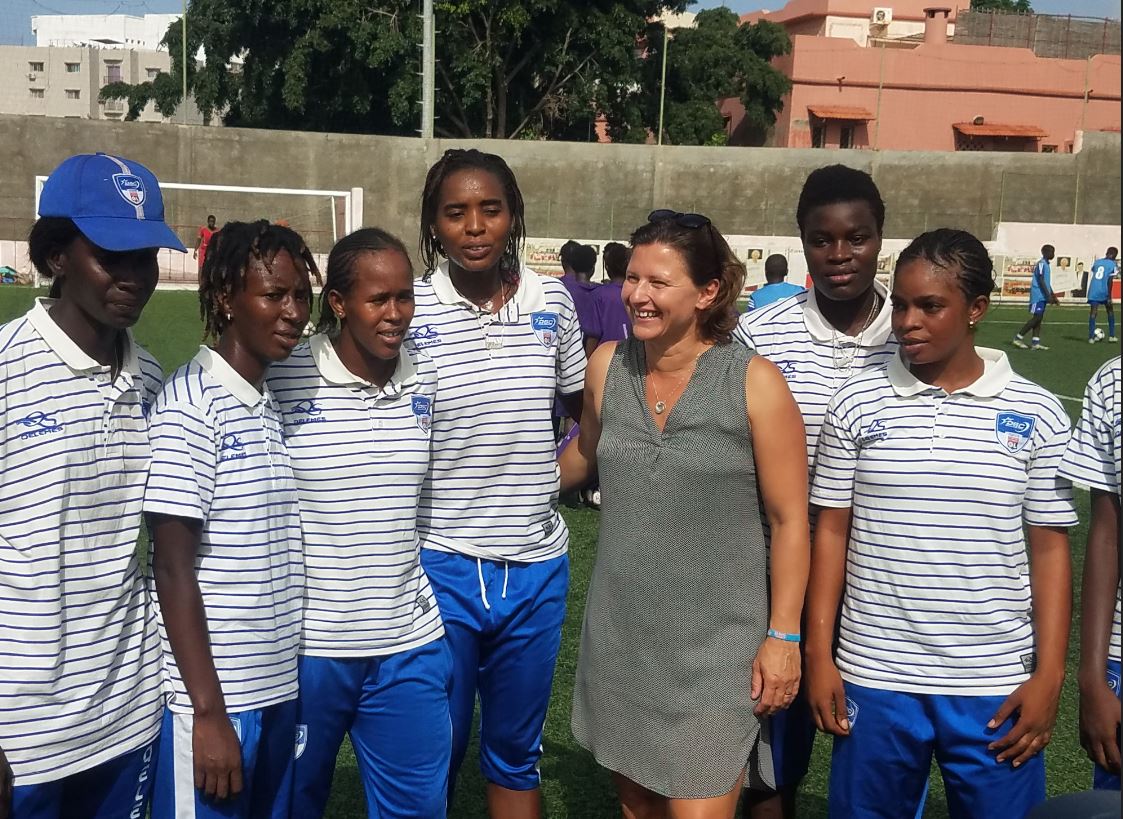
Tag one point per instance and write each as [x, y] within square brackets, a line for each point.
[660, 404]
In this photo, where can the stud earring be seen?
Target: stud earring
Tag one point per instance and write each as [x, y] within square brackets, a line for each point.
[971, 324]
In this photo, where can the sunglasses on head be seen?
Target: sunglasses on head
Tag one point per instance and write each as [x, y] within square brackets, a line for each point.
[686, 220]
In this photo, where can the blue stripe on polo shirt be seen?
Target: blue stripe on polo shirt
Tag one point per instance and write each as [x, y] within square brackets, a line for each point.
[360, 455]
[219, 457]
[938, 595]
[78, 644]
[1094, 457]
[492, 488]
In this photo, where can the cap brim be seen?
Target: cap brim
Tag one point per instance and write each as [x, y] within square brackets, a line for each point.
[127, 234]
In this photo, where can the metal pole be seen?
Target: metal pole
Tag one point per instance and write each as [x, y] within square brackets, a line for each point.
[663, 82]
[183, 104]
[880, 86]
[428, 70]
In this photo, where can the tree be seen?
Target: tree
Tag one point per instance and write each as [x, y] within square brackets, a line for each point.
[1014, 6]
[716, 59]
[507, 68]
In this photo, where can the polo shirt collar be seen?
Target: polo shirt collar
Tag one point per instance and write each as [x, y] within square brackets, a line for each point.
[228, 377]
[65, 348]
[334, 371]
[874, 336]
[996, 376]
[530, 296]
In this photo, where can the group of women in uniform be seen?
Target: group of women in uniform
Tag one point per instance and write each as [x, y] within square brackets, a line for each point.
[357, 534]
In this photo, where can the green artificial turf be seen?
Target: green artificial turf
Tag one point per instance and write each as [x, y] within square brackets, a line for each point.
[573, 785]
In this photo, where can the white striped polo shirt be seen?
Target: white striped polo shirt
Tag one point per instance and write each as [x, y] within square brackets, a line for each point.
[492, 489]
[1094, 454]
[937, 593]
[360, 455]
[814, 357]
[79, 654]
[218, 456]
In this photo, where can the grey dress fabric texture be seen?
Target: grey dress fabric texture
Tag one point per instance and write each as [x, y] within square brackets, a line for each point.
[678, 602]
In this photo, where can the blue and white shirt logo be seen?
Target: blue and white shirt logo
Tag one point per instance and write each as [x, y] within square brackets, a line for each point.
[876, 431]
[231, 448]
[787, 369]
[39, 423]
[545, 326]
[851, 712]
[1113, 681]
[1014, 430]
[301, 741]
[425, 335]
[306, 412]
[422, 411]
[130, 187]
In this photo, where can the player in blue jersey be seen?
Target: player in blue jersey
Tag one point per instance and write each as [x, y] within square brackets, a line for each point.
[505, 341]
[80, 697]
[1100, 280]
[1041, 295]
[227, 569]
[775, 271]
[951, 642]
[373, 665]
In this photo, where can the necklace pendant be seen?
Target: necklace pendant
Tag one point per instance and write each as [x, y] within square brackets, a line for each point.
[660, 407]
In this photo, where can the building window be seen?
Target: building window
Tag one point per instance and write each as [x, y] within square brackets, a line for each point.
[153, 73]
[35, 66]
[36, 93]
[112, 72]
[73, 94]
[818, 136]
[1048, 149]
[73, 68]
[846, 137]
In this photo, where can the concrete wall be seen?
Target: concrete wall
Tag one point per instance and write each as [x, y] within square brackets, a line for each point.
[571, 189]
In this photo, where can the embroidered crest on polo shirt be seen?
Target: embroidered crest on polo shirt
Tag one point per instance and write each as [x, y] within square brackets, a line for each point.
[426, 335]
[1014, 430]
[231, 448]
[876, 431]
[422, 411]
[545, 326]
[306, 412]
[130, 187]
[40, 423]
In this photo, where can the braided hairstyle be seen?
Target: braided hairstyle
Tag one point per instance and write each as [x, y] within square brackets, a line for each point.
[341, 268]
[956, 252]
[453, 161]
[229, 254]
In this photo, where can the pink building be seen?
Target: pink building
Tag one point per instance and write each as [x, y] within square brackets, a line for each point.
[866, 76]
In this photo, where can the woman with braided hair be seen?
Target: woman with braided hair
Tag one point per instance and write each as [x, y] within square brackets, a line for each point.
[226, 565]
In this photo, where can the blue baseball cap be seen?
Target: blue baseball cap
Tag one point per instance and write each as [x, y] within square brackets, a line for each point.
[115, 202]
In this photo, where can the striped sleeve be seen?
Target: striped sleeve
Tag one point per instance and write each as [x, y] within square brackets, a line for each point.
[1048, 496]
[836, 462]
[571, 355]
[182, 477]
[1088, 459]
[741, 332]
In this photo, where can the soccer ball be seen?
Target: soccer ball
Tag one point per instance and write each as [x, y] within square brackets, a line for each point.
[1098, 335]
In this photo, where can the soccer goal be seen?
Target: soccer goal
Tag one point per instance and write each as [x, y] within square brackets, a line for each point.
[321, 217]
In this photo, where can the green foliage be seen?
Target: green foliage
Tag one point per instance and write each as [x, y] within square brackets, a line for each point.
[1017, 6]
[714, 60]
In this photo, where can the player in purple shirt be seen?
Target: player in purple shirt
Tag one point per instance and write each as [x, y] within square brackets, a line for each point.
[608, 318]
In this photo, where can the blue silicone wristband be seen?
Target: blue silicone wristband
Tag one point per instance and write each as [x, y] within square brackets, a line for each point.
[779, 635]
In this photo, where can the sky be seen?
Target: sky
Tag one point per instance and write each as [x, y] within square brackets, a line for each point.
[15, 15]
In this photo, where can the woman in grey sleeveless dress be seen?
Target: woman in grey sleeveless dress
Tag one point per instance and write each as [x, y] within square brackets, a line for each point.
[675, 667]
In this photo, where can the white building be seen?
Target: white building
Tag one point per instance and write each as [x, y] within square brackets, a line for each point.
[102, 30]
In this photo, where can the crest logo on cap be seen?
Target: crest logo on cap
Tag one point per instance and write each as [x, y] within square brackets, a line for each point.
[131, 188]
[1014, 430]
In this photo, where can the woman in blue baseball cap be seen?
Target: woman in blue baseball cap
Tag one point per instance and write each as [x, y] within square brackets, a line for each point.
[80, 692]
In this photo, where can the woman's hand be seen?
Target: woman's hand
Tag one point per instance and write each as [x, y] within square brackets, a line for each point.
[1099, 723]
[776, 672]
[826, 695]
[1035, 702]
[217, 756]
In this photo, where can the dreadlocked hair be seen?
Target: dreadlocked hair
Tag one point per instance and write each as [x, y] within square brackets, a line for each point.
[458, 159]
[231, 249]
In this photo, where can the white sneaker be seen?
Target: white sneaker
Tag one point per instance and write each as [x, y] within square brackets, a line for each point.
[1019, 343]
[1113, 339]
[1091, 341]
[1039, 347]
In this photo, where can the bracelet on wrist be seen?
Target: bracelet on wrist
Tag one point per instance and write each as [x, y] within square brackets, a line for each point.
[783, 635]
